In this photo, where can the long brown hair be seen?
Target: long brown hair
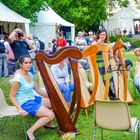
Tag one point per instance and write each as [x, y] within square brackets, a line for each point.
[101, 31]
[21, 59]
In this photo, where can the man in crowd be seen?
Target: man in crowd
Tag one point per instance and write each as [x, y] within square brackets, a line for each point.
[20, 44]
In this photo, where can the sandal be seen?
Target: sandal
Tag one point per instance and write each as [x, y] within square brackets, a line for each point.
[50, 126]
[29, 137]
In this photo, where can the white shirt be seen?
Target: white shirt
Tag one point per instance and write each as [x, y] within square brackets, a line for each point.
[61, 75]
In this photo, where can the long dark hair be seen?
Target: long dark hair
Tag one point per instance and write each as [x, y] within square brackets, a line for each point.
[21, 59]
[101, 31]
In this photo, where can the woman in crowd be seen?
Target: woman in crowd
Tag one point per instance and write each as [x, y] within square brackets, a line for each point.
[137, 70]
[102, 37]
[21, 95]
[60, 73]
[60, 41]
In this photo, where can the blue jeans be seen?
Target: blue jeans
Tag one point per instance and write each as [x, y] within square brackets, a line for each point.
[3, 65]
[137, 83]
[66, 90]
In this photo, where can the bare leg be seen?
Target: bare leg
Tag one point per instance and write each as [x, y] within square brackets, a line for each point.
[46, 102]
[45, 115]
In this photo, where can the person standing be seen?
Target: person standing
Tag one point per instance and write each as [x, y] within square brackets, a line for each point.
[20, 44]
[3, 57]
[54, 47]
[10, 57]
[60, 41]
[124, 32]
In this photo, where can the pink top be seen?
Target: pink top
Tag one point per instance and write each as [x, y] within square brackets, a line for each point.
[10, 54]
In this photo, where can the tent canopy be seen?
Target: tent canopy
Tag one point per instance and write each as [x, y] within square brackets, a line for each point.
[124, 18]
[7, 15]
[49, 17]
[126, 13]
[48, 25]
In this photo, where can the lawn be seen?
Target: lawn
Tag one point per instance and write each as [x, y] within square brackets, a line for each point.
[14, 130]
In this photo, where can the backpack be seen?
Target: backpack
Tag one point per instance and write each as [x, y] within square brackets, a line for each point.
[42, 45]
[2, 47]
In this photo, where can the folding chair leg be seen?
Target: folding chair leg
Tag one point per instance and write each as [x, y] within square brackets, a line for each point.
[135, 136]
[102, 134]
[93, 134]
[24, 127]
[137, 128]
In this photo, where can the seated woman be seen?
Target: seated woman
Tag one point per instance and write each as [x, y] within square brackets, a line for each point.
[21, 95]
[137, 82]
[60, 73]
[137, 73]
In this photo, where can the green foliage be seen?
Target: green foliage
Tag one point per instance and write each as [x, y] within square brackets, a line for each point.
[83, 13]
[133, 41]
[136, 43]
[123, 3]
[26, 8]
[117, 37]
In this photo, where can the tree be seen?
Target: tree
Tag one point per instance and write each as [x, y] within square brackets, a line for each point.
[85, 14]
[26, 8]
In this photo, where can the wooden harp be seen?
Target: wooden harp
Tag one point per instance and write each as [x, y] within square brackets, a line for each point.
[100, 91]
[123, 91]
[64, 114]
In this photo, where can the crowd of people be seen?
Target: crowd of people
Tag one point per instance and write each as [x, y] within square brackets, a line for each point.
[18, 58]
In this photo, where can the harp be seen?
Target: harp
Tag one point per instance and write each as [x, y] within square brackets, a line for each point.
[121, 88]
[85, 90]
[64, 114]
[86, 100]
[100, 91]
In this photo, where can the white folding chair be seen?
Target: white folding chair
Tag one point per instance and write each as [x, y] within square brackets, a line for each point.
[7, 111]
[114, 115]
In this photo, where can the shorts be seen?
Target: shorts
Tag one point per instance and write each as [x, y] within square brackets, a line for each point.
[32, 106]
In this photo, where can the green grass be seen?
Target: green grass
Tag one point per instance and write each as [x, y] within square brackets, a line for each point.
[14, 130]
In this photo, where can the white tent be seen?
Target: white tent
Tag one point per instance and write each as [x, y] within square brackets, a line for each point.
[48, 23]
[124, 18]
[10, 19]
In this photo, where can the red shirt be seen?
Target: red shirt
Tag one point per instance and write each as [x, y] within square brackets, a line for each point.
[61, 42]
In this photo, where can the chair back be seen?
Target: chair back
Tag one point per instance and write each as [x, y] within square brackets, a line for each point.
[112, 115]
[3, 102]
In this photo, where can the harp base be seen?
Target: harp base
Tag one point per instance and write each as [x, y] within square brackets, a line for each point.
[60, 133]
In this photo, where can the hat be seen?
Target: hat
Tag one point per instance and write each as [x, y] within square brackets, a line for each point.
[35, 36]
